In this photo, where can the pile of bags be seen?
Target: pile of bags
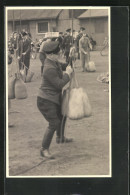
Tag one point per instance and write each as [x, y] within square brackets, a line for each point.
[103, 78]
[16, 88]
[75, 103]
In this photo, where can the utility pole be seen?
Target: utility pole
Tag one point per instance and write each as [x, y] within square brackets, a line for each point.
[72, 25]
[20, 20]
[13, 20]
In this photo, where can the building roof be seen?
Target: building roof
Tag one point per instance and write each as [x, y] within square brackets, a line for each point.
[33, 14]
[93, 13]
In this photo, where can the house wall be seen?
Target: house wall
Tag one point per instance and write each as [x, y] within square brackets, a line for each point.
[97, 28]
[31, 26]
[10, 28]
[34, 31]
[64, 22]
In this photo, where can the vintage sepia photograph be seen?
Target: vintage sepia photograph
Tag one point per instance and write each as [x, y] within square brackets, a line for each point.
[58, 92]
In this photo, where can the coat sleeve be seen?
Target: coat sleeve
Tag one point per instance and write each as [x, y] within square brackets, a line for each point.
[52, 76]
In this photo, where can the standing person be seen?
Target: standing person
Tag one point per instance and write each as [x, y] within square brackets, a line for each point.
[80, 34]
[84, 47]
[49, 97]
[67, 44]
[60, 39]
[42, 55]
[24, 51]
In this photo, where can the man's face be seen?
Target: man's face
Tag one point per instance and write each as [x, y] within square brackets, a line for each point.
[81, 31]
[84, 33]
[15, 35]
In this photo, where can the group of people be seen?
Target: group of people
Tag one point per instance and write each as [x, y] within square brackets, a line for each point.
[20, 45]
[71, 47]
[49, 99]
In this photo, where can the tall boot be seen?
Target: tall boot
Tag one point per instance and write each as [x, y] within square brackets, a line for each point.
[41, 70]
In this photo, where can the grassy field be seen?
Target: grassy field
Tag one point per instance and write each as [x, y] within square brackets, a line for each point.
[87, 155]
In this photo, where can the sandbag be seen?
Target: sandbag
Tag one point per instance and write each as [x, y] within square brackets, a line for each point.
[75, 108]
[20, 89]
[78, 104]
[11, 84]
[75, 102]
[90, 67]
[29, 76]
[103, 78]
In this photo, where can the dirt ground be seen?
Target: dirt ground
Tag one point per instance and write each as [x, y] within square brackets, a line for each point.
[87, 155]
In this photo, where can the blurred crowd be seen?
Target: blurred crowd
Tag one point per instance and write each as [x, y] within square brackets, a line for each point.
[69, 43]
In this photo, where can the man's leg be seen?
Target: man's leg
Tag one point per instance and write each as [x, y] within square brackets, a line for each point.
[61, 130]
[49, 111]
[78, 53]
[27, 64]
[82, 60]
[87, 57]
[67, 56]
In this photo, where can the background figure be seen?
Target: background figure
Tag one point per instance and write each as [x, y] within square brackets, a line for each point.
[72, 55]
[84, 47]
[60, 40]
[67, 44]
[80, 34]
[42, 56]
[24, 52]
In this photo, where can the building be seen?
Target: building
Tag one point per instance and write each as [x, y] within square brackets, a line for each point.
[96, 23]
[40, 21]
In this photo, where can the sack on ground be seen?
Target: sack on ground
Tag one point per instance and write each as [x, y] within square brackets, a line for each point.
[11, 84]
[20, 89]
[91, 66]
[29, 76]
[79, 105]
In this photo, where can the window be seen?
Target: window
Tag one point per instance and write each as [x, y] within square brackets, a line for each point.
[99, 26]
[42, 27]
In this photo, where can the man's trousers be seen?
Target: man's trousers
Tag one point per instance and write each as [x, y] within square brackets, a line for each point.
[52, 113]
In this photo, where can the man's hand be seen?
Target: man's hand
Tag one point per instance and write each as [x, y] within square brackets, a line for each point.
[69, 70]
[18, 57]
[24, 53]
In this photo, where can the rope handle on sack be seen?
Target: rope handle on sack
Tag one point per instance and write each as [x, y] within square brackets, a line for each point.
[75, 77]
[26, 66]
[77, 85]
